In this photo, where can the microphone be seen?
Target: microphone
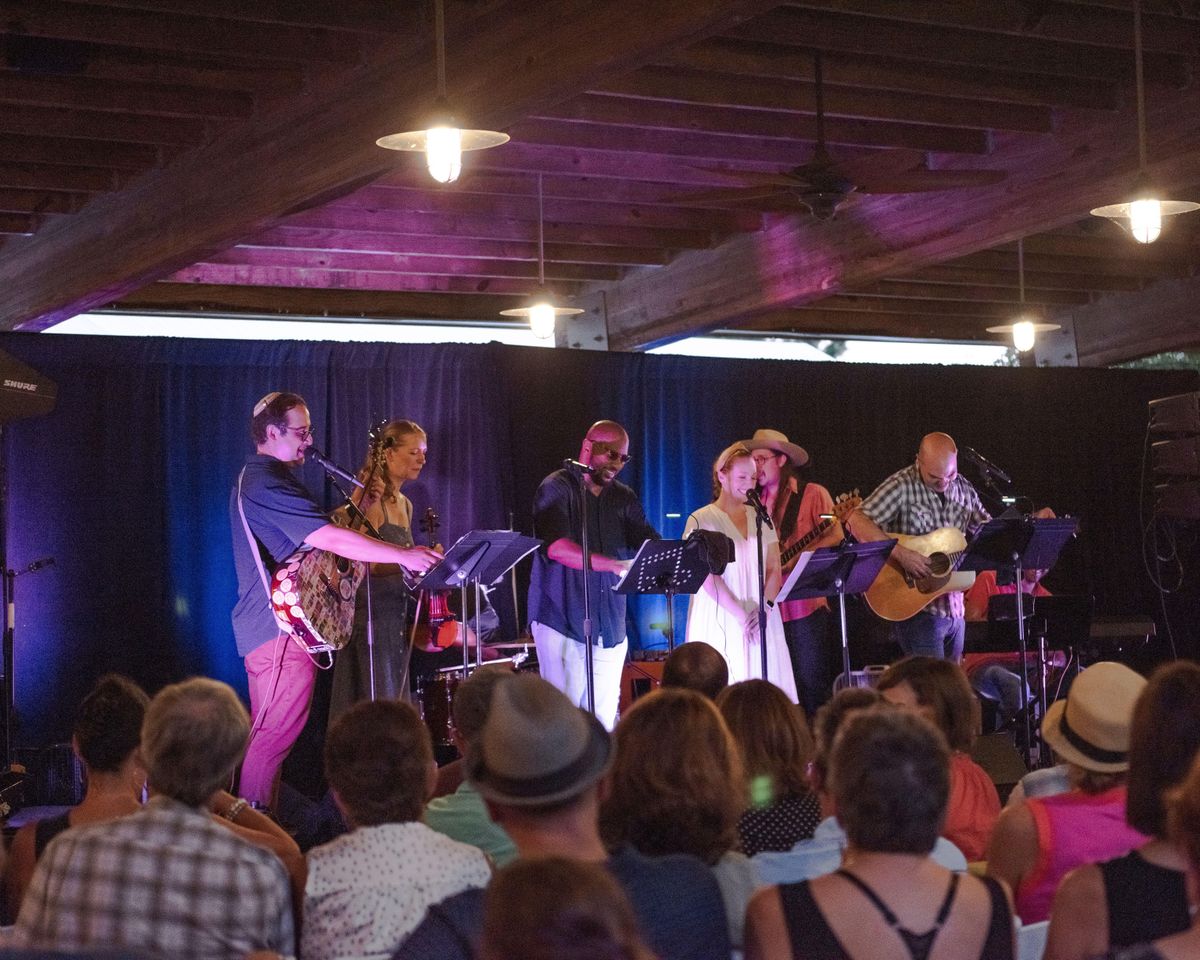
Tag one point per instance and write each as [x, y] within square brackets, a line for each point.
[985, 464]
[570, 464]
[332, 468]
[38, 564]
[755, 501]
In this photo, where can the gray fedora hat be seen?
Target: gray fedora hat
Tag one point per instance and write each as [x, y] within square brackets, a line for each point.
[536, 746]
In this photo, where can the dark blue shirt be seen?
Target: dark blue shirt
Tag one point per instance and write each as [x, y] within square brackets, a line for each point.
[281, 514]
[676, 899]
[617, 527]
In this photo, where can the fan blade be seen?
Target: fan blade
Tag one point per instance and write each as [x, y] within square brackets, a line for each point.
[753, 177]
[727, 195]
[878, 164]
[927, 181]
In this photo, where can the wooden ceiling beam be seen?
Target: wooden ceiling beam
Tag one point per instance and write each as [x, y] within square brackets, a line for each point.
[726, 55]
[813, 321]
[1110, 242]
[403, 265]
[863, 304]
[293, 238]
[314, 302]
[122, 65]
[33, 201]
[107, 96]
[1005, 293]
[1084, 267]
[792, 261]
[1121, 327]
[87, 124]
[71, 152]
[64, 178]
[914, 41]
[53, 19]
[270, 276]
[1060, 22]
[953, 273]
[616, 123]
[322, 145]
[740, 93]
[366, 220]
[452, 202]
[360, 16]
[17, 224]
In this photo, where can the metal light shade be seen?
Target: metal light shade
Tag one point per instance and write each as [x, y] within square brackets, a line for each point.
[542, 313]
[1024, 332]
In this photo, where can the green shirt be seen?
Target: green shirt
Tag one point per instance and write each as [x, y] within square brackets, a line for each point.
[462, 816]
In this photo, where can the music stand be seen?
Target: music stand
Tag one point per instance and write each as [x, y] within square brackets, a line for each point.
[1016, 544]
[843, 570]
[665, 566]
[480, 558]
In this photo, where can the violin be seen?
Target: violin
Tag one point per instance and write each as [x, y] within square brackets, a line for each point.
[435, 626]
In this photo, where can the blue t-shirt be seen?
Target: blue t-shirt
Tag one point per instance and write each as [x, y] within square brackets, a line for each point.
[676, 899]
[281, 514]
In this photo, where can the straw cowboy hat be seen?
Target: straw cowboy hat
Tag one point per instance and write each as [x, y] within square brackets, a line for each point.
[1091, 727]
[774, 440]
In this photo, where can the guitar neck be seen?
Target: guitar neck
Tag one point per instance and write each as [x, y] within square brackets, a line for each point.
[812, 536]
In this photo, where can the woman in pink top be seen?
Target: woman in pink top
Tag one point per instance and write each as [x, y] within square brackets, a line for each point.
[1037, 842]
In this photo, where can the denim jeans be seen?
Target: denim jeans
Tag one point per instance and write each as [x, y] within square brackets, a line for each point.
[928, 636]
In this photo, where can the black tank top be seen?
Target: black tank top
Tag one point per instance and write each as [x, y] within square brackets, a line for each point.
[812, 938]
[1145, 901]
[46, 830]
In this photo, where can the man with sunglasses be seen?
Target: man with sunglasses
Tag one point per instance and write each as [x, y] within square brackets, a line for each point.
[617, 527]
[271, 507]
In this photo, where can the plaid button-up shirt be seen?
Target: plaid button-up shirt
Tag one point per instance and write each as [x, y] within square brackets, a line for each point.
[166, 880]
[903, 504]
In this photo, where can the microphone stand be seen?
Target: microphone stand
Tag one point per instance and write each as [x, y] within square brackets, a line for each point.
[588, 666]
[760, 512]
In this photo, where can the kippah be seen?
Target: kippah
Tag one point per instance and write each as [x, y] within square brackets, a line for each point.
[262, 404]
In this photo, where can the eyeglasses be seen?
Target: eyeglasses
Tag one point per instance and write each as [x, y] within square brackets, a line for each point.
[303, 433]
[604, 450]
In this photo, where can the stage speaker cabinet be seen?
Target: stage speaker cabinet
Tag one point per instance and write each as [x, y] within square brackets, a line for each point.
[639, 678]
[1000, 760]
[1178, 500]
[1177, 414]
[1176, 458]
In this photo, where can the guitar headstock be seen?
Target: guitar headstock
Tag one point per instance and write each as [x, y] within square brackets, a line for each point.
[846, 504]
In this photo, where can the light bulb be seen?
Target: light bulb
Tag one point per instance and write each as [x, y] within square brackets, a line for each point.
[443, 153]
[1145, 219]
[541, 320]
[1023, 335]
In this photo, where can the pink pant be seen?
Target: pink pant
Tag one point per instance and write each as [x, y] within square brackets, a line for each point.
[281, 679]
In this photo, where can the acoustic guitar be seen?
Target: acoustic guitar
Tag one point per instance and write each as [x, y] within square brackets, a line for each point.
[896, 595]
[843, 506]
[312, 595]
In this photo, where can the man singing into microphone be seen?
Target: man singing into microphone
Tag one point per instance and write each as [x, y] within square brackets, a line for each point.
[272, 515]
[617, 527]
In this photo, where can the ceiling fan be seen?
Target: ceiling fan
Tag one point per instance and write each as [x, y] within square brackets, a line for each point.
[824, 184]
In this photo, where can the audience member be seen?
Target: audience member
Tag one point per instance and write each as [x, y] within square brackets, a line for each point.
[587, 918]
[1037, 842]
[462, 814]
[167, 879]
[891, 782]
[776, 749]
[1141, 896]
[369, 888]
[105, 737]
[938, 690]
[537, 764]
[696, 666]
[1183, 829]
[823, 853]
[678, 786]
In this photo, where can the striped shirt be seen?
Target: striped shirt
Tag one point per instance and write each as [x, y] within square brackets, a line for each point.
[167, 880]
[903, 504]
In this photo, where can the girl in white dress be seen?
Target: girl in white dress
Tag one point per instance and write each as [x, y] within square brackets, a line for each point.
[724, 612]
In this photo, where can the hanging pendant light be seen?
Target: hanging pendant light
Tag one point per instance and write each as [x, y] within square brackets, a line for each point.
[1025, 326]
[541, 310]
[443, 141]
[1143, 215]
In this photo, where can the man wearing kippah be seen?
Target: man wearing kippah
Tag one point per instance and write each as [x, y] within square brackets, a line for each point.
[272, 515]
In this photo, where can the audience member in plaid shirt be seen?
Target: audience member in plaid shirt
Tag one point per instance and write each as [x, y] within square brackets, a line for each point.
[919, 499]
[168, 880]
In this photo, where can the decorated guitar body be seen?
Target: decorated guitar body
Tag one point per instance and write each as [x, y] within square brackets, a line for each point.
[895, 595]
[312, 596]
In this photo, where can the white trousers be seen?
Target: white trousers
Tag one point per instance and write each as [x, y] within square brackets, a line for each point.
[561, 662]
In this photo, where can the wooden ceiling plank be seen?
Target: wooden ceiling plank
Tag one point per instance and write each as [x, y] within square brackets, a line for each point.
[1126, 326]
[815, 322]
[115, 97]
[222, 273]
[733, 92]
[301, 238]
[359, 16]
[94, 153]
[1083, 267]
[954, 273]
[34, 201]
[123, 65]
[1110, 242]
[771, 60]
[314, 302]
[94, 125]
[1005, 293]
[931, 308]
[688, 130]
[68, 179]
[17, 224]
[88, 23]
[864, 35]
[1061, 22]
[1052, 182]
[322, 146]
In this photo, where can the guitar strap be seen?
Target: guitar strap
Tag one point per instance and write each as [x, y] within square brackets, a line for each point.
[787, 524]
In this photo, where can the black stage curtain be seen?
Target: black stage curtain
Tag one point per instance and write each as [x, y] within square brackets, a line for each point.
[126, 483]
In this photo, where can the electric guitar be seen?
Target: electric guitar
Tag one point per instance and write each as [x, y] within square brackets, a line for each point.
[896, 595]
[843, 506]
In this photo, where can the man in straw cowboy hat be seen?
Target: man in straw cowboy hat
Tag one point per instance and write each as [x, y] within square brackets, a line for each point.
[538, 765]
[797, 507]
[1037, 842]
